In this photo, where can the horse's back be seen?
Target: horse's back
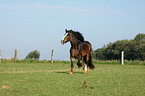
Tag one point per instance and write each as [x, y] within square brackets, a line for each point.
[86, 48]
[89, 44]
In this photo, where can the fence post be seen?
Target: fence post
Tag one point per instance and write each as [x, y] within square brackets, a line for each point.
[52, 56]
[122, 57]
[0, 56]
[15, 58]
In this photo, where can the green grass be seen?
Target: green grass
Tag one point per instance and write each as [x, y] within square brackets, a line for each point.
[45, 79]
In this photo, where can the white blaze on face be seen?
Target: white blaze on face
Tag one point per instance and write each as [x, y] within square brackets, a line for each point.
[64, 36]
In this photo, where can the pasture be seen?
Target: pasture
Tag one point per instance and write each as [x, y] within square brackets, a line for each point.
[46, 79]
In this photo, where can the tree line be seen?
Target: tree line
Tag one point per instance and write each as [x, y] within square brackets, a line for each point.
[134, 49]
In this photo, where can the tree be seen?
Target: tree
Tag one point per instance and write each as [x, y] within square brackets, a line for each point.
[140, 37]
[134, 49]
[130, 53]
[33, 55]
[100, 54]
[140, 46]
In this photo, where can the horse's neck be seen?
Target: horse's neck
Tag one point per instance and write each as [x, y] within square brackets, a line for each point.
[75, 44]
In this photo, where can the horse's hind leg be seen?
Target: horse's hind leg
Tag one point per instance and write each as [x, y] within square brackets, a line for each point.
[85, 69]
[80, 65]
[86, 59]
[72, 65]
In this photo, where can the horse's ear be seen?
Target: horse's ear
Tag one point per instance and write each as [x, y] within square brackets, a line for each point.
[66, 30]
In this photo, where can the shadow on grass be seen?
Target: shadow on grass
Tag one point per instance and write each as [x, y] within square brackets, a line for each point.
[68, 72]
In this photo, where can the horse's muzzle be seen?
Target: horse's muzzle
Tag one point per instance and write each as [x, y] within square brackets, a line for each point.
[62, 42]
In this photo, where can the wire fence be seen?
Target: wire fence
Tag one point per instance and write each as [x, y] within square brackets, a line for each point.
[117, 55]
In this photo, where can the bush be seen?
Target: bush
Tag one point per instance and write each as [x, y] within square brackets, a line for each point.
[33, 55]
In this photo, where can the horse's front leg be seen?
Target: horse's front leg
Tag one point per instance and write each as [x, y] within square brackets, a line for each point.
[72, 65]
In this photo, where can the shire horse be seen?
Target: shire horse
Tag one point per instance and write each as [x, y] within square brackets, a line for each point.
[80, 49]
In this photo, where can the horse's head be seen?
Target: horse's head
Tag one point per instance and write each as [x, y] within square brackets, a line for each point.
[67, 36]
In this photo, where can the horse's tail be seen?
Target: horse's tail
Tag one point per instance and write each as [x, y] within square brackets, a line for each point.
[91, 66]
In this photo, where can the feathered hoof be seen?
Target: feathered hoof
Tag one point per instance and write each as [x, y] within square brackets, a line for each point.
[70, 72]
[84, 72]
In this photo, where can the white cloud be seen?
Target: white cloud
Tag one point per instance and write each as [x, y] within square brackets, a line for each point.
[22, 8]
[77, 10]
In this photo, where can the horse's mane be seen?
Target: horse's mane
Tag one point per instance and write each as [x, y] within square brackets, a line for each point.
[77, 35]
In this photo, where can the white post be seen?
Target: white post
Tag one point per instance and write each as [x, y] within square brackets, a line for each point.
[122, 57]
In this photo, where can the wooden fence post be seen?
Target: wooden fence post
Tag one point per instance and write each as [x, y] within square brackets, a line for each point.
[0, 56]
[122, 57]
[15, 58]
[52, 56]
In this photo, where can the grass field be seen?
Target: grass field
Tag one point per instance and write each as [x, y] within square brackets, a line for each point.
[45, 79]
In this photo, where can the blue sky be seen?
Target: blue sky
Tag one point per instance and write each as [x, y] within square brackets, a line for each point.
[29, 25]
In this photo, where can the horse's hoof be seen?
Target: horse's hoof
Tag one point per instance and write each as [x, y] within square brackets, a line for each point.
[70, 72]
[84, 72]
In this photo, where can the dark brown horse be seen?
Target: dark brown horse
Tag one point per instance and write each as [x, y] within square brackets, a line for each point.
[80, 49]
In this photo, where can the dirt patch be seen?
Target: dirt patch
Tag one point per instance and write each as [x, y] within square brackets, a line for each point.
[5, 87]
